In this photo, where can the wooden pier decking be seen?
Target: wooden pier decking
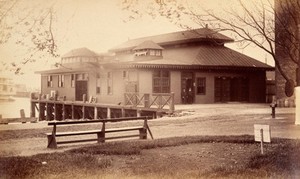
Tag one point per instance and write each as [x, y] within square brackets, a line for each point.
[61, 110]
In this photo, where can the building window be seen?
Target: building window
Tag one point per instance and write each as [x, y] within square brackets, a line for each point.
[158, 52]
[161, 82]
[152, 52]
[155, 52]
[201, 86]
[125, 74]
[49, 81]
[82, 77]
[148, 52]
[72, 80]
[61, 80]
[4, 88]
[109, 83]
[98, 83]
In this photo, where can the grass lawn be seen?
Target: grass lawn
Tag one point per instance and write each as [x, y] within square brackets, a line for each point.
[178, 157]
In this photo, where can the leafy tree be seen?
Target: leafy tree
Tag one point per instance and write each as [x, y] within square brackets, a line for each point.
[28, 24]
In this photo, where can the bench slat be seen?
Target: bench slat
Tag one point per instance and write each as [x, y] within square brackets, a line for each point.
[58, 134]
[120, 137]
[75, 141]
[123, 129]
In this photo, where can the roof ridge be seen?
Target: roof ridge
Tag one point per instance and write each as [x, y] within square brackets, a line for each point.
[199, 34]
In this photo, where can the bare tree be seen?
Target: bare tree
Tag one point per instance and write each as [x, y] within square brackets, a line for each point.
[248, 23]
[28, 25]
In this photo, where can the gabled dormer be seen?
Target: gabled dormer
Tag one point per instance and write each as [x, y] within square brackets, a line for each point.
[148, 48]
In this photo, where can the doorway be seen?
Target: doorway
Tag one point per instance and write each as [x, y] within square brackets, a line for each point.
[231, 89]
[187, 88]
[80, 89]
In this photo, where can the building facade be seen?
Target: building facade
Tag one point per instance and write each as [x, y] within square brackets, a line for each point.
[194, 66]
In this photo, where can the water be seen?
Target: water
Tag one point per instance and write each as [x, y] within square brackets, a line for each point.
[11, 109]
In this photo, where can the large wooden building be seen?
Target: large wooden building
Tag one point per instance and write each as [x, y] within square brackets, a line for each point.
[194, 66]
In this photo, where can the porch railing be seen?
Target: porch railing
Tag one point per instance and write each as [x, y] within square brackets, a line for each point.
[147, 100]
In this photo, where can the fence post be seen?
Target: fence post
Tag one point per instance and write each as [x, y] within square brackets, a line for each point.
[147, 100]
[84, 98]
[32, 105]
[172, 105]
[160, 101]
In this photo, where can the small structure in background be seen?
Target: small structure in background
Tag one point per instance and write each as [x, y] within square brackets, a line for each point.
[7, 88]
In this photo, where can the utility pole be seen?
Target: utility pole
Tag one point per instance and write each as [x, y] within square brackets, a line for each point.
[298, 67]
[297, 88]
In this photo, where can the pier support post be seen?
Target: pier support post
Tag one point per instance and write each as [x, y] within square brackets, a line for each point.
[22, 114]
[83, 112]
[95, 113]
[138, 113]
[42, 107]
[32, 109]
[63, 111]
[108, 113]
[72, 111]
[32, 106]
[123, 112]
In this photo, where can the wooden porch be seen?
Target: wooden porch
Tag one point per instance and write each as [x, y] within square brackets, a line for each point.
[135, 105]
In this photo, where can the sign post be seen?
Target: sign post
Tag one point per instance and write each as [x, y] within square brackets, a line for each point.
[262, 134]
[297, 103]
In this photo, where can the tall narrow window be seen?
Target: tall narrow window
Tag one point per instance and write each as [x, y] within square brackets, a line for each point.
[109, 83]
[73, 80]
[4, 88]
[49, 81]
[201, 86]
[61, 80]
[125, 74]
[98, 83]
[161, 82]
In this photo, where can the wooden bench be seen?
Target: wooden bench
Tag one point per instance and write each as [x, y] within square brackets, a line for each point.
[100, 133]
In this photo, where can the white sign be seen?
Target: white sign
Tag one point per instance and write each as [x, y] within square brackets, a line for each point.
[262, 131]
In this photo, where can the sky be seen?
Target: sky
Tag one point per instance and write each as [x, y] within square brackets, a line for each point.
[98, 25]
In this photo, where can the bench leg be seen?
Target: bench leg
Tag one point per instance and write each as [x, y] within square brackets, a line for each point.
[51, 142]
[143, 133]
[101, 137]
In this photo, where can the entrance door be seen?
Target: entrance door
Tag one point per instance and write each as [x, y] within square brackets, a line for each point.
[239, 89]
[80, 89]
[187, 88]
[222, 89]
[231, 89]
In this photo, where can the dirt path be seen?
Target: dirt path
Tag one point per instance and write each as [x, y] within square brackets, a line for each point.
[189, 120]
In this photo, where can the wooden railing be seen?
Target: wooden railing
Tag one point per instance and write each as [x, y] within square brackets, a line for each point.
[135, 104]
[154, 100]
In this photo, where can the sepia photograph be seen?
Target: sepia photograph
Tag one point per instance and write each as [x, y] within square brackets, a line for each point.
[154, 89]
